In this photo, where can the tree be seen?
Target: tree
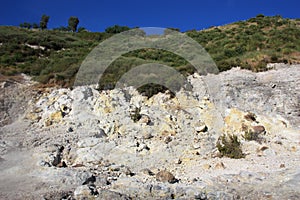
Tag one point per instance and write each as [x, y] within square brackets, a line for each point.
[35, 26]
[26, 25]
[73, 23]
[116, 29]
[44, 22]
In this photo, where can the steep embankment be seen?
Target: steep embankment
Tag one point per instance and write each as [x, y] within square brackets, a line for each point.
[53, 56]
[118, 144]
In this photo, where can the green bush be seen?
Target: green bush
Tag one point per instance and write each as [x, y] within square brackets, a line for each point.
[274, 58]
[229, 146]
[151, 89]
[135, 115]
[116, 29]
[251, 135]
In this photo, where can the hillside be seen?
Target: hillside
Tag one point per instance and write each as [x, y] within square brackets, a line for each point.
[252, 43]
[53, 56]
[227, 135]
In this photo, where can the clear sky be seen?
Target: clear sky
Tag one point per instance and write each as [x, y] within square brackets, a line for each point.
[96, 15]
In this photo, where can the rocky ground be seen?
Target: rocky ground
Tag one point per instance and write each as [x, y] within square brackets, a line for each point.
[81, 144]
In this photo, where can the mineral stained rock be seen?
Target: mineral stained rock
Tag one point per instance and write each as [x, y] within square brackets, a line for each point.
[82, 143]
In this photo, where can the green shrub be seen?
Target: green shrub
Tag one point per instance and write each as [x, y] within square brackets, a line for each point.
[116, 29]
[151, 89]
[260, 16]
[251, 135]
[274, 58]
[229, 146]
[44, 78]
[135, 115]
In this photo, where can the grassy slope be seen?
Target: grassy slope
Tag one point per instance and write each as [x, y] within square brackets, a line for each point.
[60, 59]
[249, 44]
[252, 43]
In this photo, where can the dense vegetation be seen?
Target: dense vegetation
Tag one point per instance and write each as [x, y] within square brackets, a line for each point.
[54, 56]
[253, 43]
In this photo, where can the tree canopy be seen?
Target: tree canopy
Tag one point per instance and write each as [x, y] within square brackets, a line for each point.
[26, 25]
[116, 29]
[73, 23]
[44, 22]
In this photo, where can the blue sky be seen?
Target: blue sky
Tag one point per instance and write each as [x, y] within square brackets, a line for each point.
[96, 15]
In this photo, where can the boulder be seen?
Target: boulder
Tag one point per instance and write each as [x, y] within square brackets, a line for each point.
[166, 176]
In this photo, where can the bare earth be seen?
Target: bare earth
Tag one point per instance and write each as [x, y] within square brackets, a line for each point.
[82, 144]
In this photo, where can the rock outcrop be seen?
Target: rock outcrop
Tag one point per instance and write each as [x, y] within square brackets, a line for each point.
[81, 143]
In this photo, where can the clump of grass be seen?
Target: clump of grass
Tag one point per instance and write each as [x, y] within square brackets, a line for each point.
[251, 135]
[229, 146]
[135, 115]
